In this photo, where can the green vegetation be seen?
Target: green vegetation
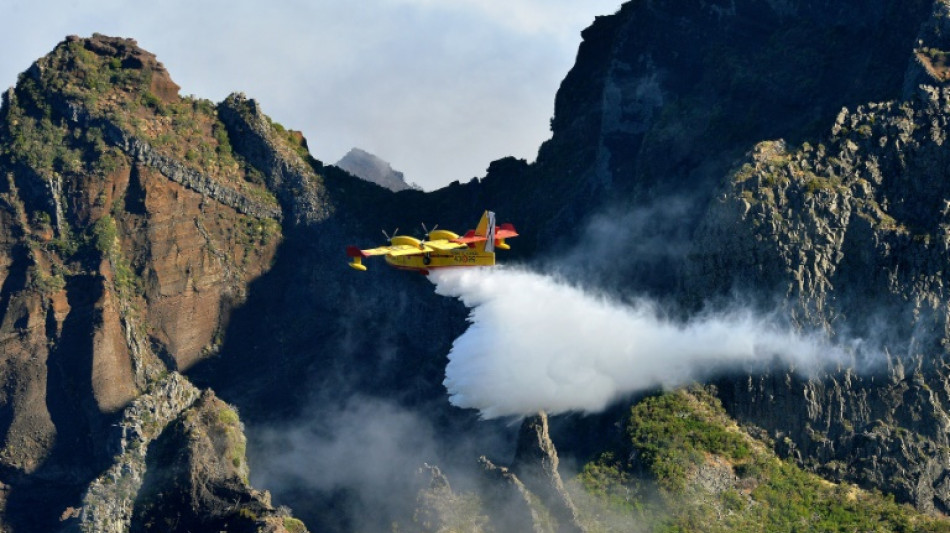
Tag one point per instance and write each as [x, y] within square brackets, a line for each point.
[104, 234]
[46, 283]
[248, 514]
[292, 525]
[257, 230]
[104, 237]
[674, 437]
[227, 417]
[229, 439]
[292, 137]
[82, 74]
[37, 140]
[606, 480]
[745, 172]
[815, 183]
[934, 53]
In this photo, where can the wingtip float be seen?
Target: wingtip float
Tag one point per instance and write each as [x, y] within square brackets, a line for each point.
[441, 248]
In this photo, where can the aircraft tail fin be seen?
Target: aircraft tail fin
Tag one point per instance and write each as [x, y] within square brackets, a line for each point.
[486, 228]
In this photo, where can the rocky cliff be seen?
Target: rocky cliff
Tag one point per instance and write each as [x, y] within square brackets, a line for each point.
[810, 158]
[131, 230]
[782, 153]
[154, 248]
[851, 229]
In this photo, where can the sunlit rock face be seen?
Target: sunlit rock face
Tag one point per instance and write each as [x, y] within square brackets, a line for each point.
[371, 168]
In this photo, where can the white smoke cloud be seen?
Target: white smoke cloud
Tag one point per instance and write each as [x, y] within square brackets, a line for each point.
[370, 449]
[538, 343]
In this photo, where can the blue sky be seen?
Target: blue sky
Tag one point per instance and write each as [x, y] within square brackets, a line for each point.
[439, 88]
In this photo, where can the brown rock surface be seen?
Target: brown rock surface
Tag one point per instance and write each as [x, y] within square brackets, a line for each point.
[113, 383]
[119, 260]
[199, 259]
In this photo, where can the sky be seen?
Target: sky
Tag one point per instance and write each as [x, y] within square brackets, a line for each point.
[438, 88]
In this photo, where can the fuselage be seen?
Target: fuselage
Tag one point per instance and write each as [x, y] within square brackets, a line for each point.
[448, 258]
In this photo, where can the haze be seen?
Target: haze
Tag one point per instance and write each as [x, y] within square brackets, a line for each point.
[438, 89]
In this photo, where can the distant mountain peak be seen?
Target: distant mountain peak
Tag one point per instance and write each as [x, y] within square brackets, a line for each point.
[372, 168]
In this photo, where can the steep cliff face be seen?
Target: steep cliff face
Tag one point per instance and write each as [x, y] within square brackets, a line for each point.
[131, 230]
[810, 157]
[851, 229]
[664, 96]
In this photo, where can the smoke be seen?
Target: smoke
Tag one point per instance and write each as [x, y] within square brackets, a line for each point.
[356, 466]
[538, 343]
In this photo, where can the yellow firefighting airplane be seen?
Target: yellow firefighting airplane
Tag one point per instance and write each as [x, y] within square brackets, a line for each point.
[441, 248]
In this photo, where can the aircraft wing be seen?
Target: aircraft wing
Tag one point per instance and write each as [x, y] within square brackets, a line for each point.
[399, 249]
[405, 249]
[442, 245]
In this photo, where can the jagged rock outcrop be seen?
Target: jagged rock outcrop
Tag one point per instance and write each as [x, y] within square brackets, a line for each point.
[197, 478]
[300, 190]
[536, 465]
[513, 506]
[442, 510]
[529, 495]
[371, 168]
[108, 503]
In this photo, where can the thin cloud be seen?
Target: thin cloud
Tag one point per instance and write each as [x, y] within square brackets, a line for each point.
[437, 89]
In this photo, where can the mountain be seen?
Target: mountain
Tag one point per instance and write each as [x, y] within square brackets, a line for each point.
[179, 329]
[371, 168]
[131, 231]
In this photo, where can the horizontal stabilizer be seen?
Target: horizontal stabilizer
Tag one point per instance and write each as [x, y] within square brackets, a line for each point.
[470, 238]
[354, 251]
[505, 231]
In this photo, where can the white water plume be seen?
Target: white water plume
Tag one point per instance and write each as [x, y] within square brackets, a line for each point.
[537, 343]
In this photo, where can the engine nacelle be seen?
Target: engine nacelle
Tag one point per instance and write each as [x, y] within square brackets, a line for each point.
[442, 235]
[399, 240]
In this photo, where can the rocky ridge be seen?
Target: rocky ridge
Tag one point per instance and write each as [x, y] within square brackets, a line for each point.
[197, 478]
[371, 168]
[528, 495]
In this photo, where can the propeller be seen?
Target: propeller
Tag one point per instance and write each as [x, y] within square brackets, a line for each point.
[390, 237]
[426, 230]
